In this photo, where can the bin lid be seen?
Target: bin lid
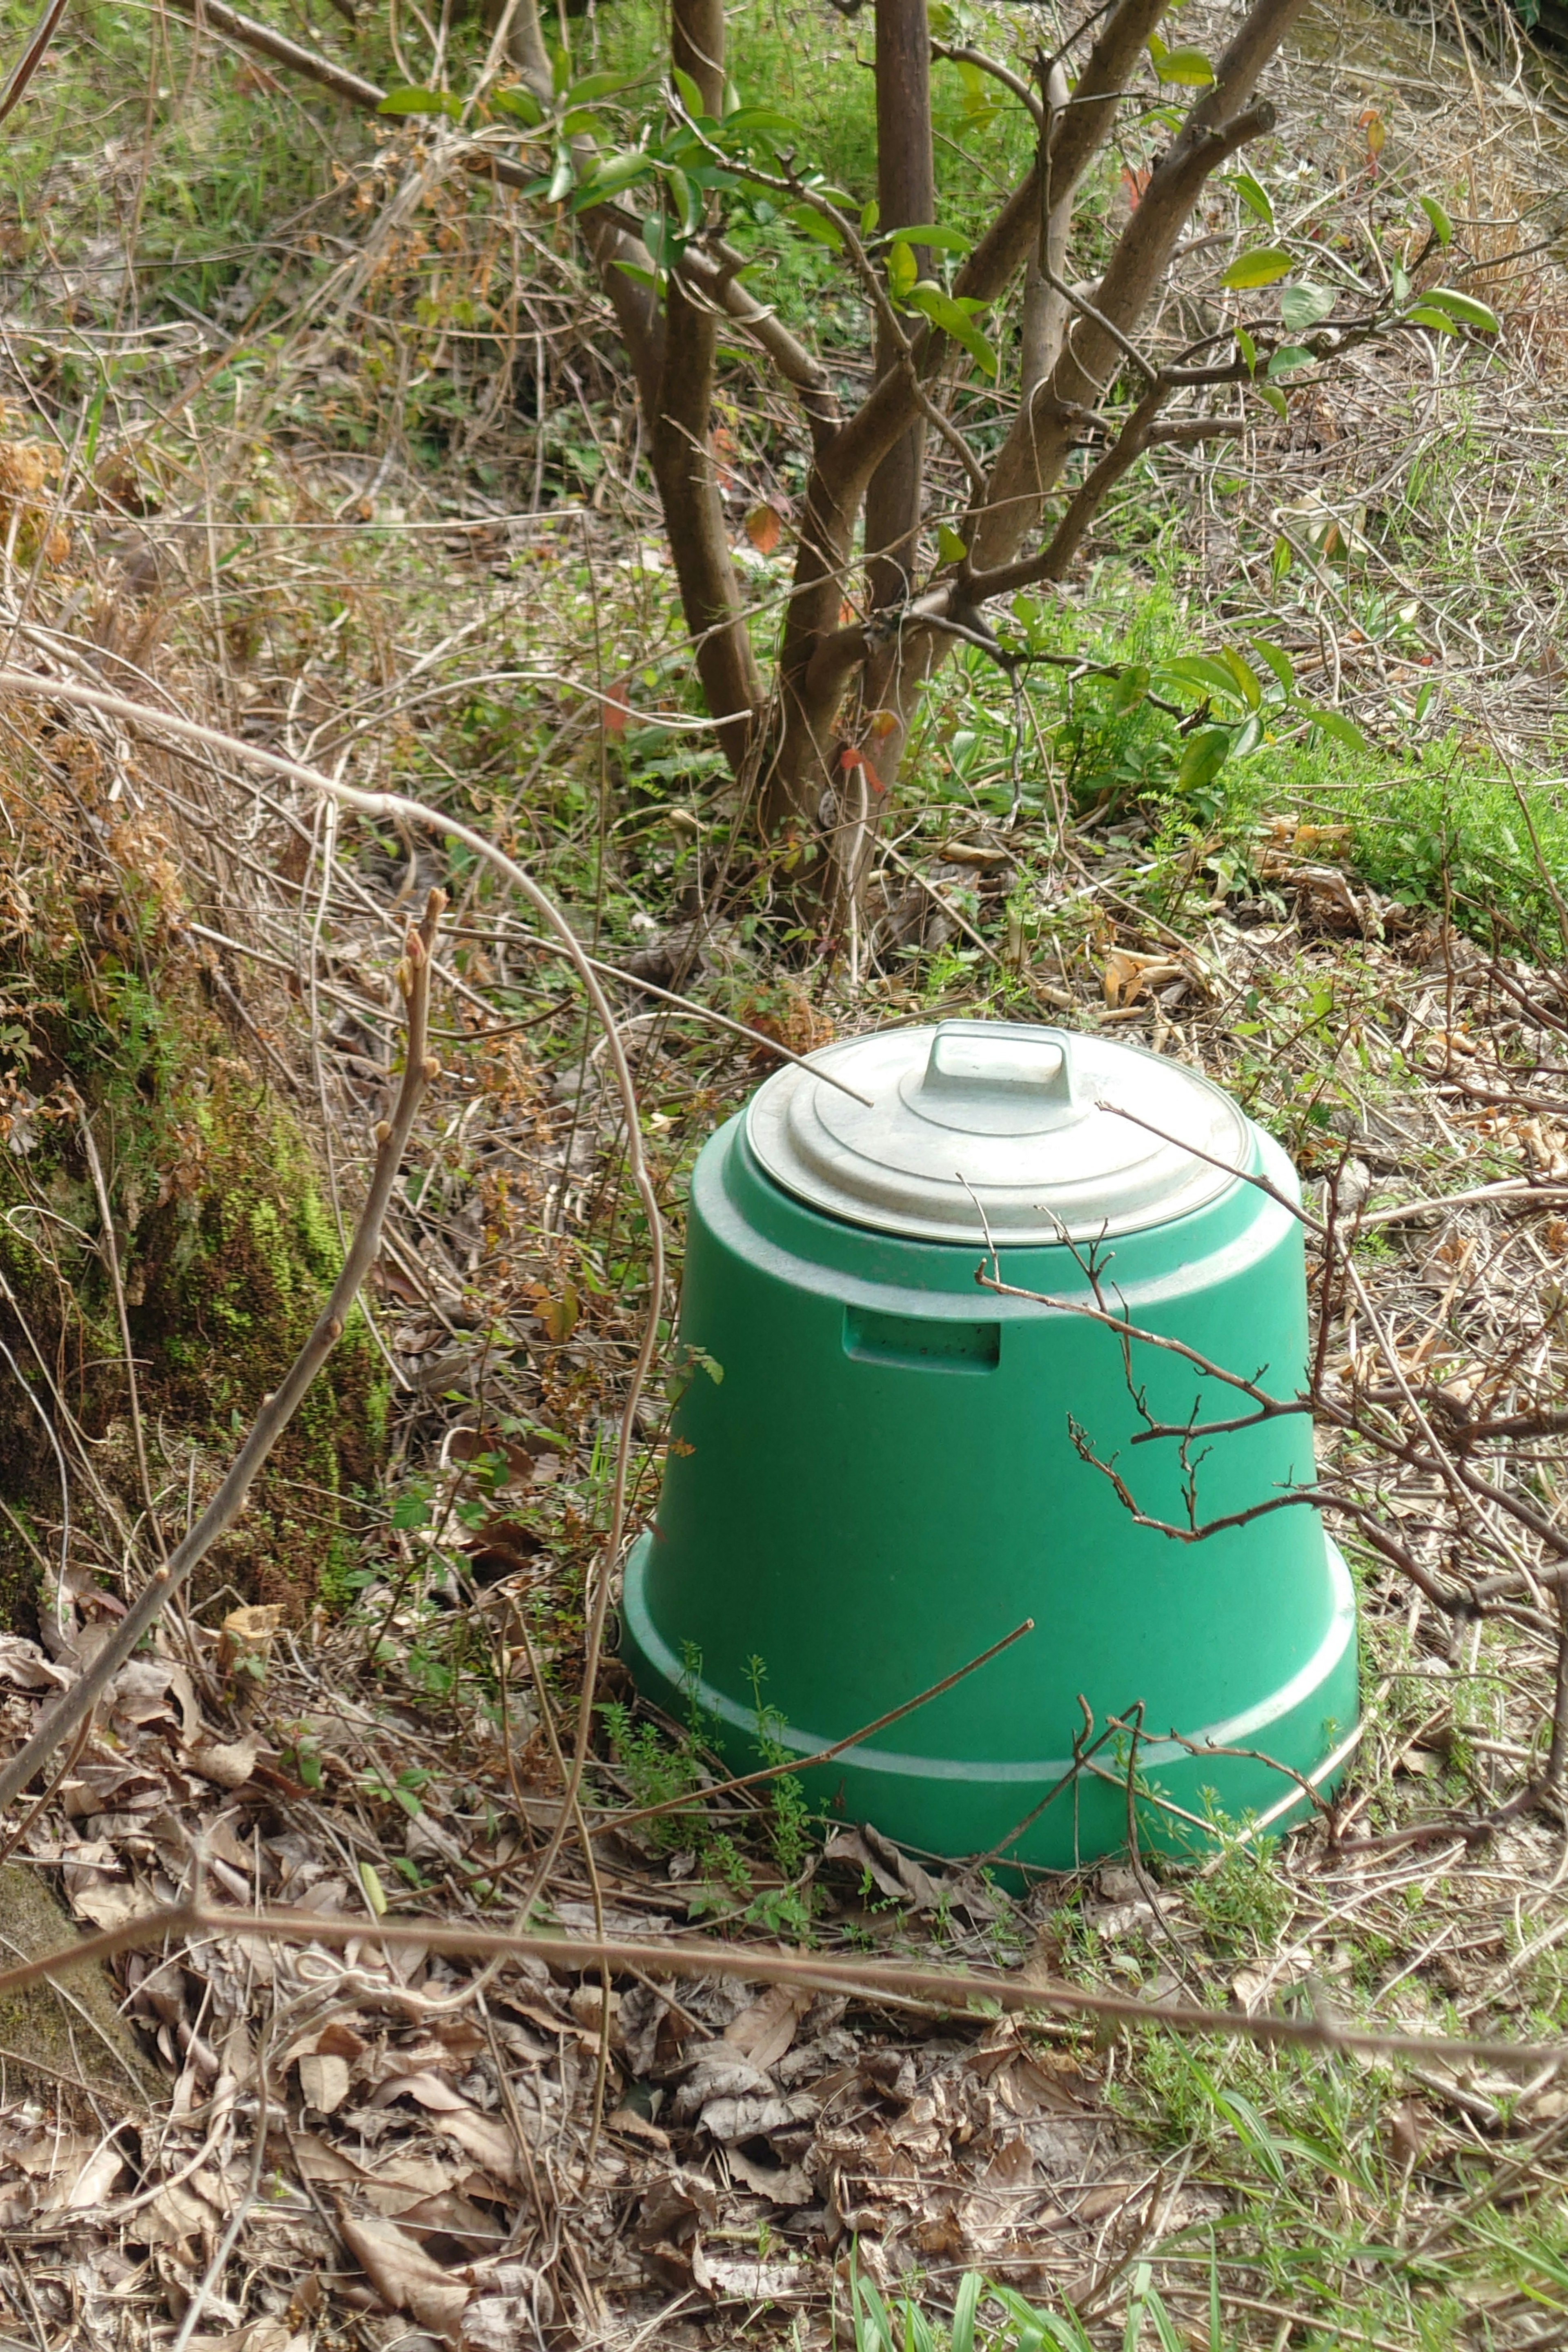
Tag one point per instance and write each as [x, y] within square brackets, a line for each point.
[1020, 1122]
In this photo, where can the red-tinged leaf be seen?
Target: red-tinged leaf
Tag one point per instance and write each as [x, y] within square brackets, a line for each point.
[614, 711]
[847, 616]
[852, 757]
[764, 529]
[881, 723]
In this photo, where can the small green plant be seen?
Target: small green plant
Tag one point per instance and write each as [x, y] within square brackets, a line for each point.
[657, 1774]
[1239, 1897]
[987, 2318]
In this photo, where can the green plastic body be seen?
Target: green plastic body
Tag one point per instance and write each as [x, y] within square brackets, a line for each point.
[891, 1475]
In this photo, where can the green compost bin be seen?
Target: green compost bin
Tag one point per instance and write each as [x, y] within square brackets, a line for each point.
[878, 1468]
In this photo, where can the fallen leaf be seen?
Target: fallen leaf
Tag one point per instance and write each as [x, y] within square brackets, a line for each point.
[758, 2282]
[1109, 2198]
[112, 1903]
[24, 1667]
[229, 1764]
[893, 1872]
[323, 2082]
[404, 2276]
[674, 2208]
[782, 2184]
[245, 1638]
[1127, 976]
[764, 2032]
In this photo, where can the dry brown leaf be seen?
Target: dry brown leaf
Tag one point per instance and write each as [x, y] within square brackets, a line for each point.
[113, 1902]
[24, 1667]
[265, 2334]
[1127, 976]
[764, 529]
[323, 2082]
[730, 2281]
[893, 1872]
[675, 2207]
[490, 2142]
[228, 1765]
[1109, 2198]
[765, 2030]
[245, 1640]
[404, 2276]
[782, 2184]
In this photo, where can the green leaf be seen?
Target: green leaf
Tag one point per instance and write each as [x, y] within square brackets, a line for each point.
[1129, 688]
[1302, 305]
[374, 1892]
[1424, 316]
[903, 269]
[419, 101]
[748, 120]
[562, 177]
[1399, 283]
[870, 216]
[945, 240]
[1260, 267]
[1208, 675]
[1244, 674]
[954, 320]
[1340, 730]
[1271, 394]
[1441, 226]
[950, 547]
[665, 244]
[687, 200]
[614, 173]
[965, 2304]
[1188, 68]
[811, 224]
[1282, 554]
[519, 103]
[1462, 307]
[1247, 348]
[1205, 756]
[1256, 197]
[1291, 356]
[690, 97]
[1424, 699]
[596, 86]
[1275, 657]
[1248, 739]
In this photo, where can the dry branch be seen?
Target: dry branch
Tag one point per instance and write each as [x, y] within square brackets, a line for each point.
[939, 1988]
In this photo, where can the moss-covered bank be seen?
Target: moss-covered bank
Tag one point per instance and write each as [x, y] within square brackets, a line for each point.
[226, 1246]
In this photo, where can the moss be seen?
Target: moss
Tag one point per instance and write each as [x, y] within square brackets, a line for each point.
[74, 2033]
[226, 1247]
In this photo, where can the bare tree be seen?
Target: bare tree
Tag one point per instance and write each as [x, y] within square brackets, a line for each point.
[818, 736]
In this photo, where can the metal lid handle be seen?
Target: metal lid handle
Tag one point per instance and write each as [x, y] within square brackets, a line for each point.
[979, 1059]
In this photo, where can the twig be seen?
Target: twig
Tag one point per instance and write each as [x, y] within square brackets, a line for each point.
[761, 1964]
[818, 1755]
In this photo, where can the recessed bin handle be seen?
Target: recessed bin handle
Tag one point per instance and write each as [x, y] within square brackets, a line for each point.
[920, 1343]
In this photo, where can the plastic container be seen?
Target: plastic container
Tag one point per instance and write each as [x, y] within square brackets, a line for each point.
[878, 1468]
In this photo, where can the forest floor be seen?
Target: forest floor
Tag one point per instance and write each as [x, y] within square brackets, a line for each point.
[261, 466]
